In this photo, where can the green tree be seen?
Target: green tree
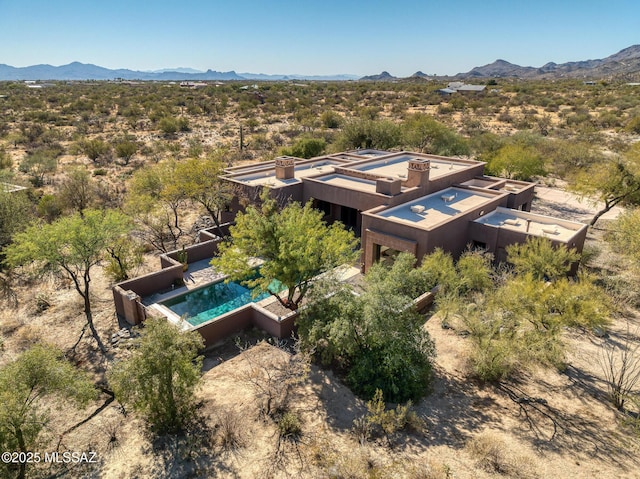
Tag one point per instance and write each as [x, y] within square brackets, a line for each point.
[38, 373]
[295, 244]
[38, 165]
[615, 182]
[517, 162]
[377, 337]
[168, 125]
[5, 160]
[123, 256]
[15, 213]
[540, 258]
[331, 119]
[199, 180]
[624, 235]
[72, 245]
[161, 376]
[77, 190]
[305, 148]
[362, 133]
[94, 148]
[125, 149]
[155, 198]
[429, 136]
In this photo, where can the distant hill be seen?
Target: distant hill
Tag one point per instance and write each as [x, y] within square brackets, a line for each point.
[625, 62]
[178, 70]
[384, 76]
[295, 76]
[84, 71]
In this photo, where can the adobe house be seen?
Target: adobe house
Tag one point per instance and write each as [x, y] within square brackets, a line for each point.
[405, 201]
[394, 201]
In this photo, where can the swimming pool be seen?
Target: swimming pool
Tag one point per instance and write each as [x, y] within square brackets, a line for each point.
[202, 304]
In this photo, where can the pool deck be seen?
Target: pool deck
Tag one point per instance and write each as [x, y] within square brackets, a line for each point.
[200, 274]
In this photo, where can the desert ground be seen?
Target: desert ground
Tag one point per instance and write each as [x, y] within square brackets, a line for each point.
[545, 423]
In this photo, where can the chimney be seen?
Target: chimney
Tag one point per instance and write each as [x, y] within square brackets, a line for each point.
[417, 173]
[285, 168]
[388, 186]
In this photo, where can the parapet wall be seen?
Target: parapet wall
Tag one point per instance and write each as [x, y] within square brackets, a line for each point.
[250, 315]
[127, 295]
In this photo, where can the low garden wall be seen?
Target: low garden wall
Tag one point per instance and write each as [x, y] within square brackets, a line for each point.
[250, 315]
[127, 295]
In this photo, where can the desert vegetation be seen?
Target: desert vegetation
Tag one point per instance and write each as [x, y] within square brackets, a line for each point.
[515, 371]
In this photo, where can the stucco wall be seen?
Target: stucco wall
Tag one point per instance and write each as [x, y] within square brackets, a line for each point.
[359, 200]
[451, 235]
[250, 315]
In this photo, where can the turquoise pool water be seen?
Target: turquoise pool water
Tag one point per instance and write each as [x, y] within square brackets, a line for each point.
[206, 303]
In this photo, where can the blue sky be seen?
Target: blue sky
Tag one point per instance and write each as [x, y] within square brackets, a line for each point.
[314, 37]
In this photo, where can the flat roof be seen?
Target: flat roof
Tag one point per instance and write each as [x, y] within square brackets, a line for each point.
[267, 175]
[482, 182]
[395, 165]
[350, 182]
[436, 208]
[532, 224]
[369, 153]
[500, 184]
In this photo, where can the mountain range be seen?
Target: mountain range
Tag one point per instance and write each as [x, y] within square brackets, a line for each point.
[625, 63]
[87, 71]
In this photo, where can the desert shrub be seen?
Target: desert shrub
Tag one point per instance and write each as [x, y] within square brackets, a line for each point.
[633, 125]
[38, 165]
[289, 425]
[519, 323]
[305, 148]
[540, 258]
[42, 302]
[26, 382]
[49, 207]
[273, 380]
[125, 149]
[168, 125]
[388, 421]
[363, 133]
[495, 455]
[229, 430]
[331, 119]
[159, 379]
[94, 148]
[5, 160]
[474, 271]
[620, 365]
[122, 258]
[183, 124]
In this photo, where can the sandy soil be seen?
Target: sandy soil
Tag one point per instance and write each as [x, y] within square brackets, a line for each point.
[544, 424]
